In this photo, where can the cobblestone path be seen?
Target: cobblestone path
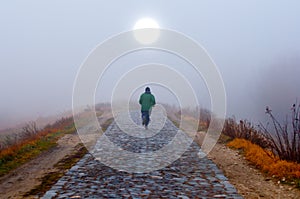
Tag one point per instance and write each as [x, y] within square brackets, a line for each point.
[187, 177]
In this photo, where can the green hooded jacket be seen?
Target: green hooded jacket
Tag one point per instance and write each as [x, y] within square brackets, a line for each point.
[147, 100]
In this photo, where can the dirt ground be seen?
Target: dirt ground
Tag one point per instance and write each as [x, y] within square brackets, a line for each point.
[249, 182]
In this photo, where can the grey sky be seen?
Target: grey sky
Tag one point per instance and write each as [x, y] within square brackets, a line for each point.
[255, 44]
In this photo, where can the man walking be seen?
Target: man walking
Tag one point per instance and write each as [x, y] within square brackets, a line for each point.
[147, 101]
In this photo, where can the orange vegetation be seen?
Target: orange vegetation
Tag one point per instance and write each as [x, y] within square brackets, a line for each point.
[33, 144]
[31, 141]
[266, 160]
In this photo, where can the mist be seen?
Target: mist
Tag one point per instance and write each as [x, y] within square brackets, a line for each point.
[255, 45]
[278, 88]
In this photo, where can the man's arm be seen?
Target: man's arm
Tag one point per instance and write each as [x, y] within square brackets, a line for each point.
[140, 101]
[153, 100]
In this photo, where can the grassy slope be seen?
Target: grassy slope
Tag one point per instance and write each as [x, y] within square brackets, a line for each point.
[16, 155]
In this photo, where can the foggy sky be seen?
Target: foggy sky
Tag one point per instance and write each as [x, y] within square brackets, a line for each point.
[255, 44]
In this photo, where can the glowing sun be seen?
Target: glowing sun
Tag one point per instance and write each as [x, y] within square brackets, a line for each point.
[146, 30]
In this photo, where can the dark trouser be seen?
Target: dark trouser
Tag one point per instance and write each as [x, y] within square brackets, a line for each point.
[145, 117]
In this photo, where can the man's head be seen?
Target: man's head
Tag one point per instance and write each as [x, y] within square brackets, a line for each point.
[147, 89]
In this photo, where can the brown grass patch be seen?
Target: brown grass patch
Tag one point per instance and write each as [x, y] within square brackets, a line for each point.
[266, 160]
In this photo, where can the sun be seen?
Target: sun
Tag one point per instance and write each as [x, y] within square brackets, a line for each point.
[146, 30]
[145, 23]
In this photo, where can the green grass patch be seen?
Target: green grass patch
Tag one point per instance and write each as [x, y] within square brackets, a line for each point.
[174, 122]
[106, 124]
[69, 129]
[297, 182]
[224, 139]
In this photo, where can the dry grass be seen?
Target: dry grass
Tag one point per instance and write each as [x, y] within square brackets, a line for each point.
[34, 143]
[266, 160]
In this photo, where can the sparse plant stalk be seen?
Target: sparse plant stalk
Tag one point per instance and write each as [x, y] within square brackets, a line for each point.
[285, 141]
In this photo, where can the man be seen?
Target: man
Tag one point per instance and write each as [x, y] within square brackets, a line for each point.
[147, 101]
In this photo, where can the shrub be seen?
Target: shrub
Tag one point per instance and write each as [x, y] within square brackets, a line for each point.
[30, 129]
[245, 130]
